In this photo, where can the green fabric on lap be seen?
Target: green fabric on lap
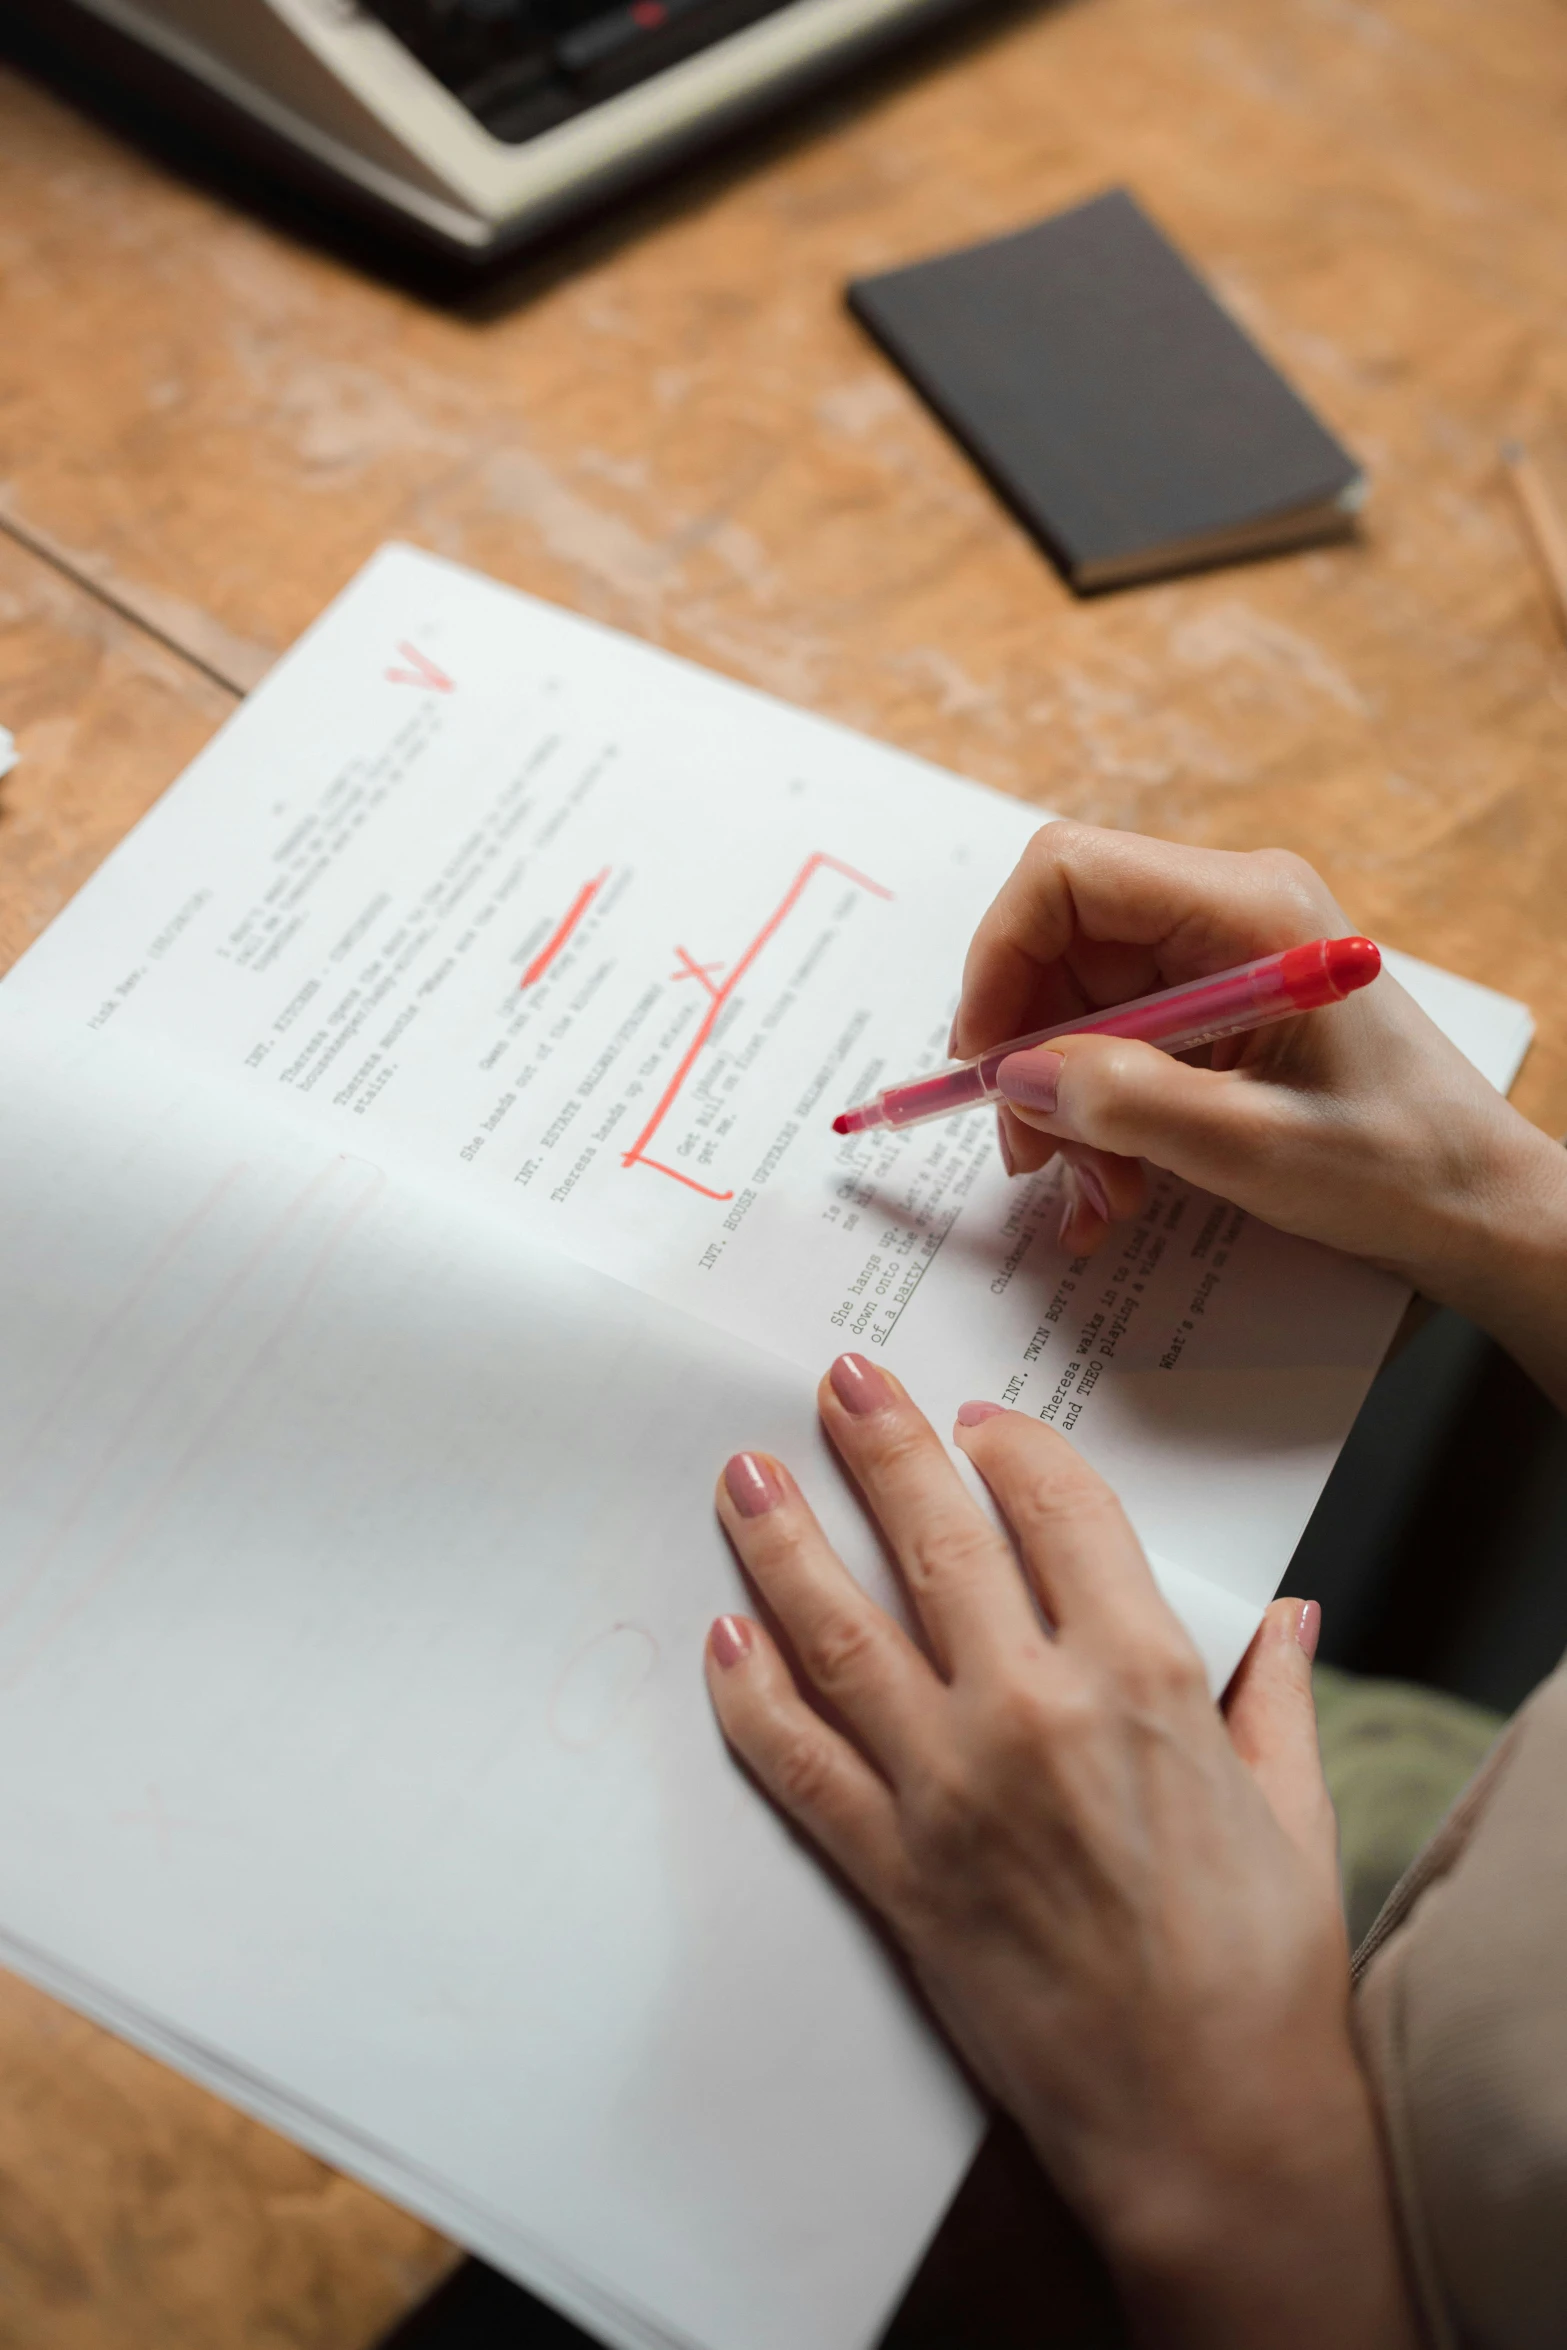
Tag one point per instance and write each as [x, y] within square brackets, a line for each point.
[1396, 1758]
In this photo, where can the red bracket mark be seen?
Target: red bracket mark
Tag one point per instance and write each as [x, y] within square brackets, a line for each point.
[568, 923]
[819, 862]
[421, 670]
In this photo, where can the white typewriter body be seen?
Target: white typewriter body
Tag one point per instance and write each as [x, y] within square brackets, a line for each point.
[336, 84]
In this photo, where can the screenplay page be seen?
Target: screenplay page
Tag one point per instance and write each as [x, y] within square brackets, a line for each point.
[416, 1177]
[576, 929]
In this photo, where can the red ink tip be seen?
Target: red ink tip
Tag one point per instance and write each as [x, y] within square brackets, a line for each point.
[856, 1121]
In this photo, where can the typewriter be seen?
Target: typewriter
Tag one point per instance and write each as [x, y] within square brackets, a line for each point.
[474, 125]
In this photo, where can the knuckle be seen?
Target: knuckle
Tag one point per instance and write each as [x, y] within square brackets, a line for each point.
[772, 1543]
[1163, 1670]
[1060, 842]
[944, 1820]
[800, 1771]
[1296, 882]
[896, 1443]
[1023, 1722]
[1103, 1091]
[837, 1650]
[948, 1555]
[1062, 1489]
[1106, 1094]
[1071, 1714]
[1117, 1062]
[1059, 838]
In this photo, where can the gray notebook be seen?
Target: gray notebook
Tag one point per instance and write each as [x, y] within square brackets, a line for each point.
[1121, 413]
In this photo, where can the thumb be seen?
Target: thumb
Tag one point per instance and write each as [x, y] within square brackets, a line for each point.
[1215, 1127]
[1272, 1721]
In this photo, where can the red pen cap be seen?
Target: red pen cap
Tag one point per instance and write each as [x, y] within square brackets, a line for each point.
[1328, 970]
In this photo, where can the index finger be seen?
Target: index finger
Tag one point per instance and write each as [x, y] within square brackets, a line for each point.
[1090, 917]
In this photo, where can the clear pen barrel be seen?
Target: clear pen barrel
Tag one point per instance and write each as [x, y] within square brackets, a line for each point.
[953, 1090]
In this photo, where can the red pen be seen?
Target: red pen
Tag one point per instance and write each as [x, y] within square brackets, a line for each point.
[1176, 1019]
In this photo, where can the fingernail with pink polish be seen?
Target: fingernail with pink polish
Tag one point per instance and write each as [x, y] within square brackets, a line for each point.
[729, 1640]
[859, 1386]
[1032, 1080]
[1094, 1193]
[971, 1414]
[753, 1484]
[1068, 1211]
[952, 1039]
[1004, 1145]
[1308, 1628]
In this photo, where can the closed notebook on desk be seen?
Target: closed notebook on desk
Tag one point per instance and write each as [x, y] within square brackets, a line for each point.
[1121, 413]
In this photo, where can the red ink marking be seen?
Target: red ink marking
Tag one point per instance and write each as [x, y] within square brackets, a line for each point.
[161, 1821]
[693, 970]
[568, 923]
[421, 670]
[689, 1181]
[818, 862]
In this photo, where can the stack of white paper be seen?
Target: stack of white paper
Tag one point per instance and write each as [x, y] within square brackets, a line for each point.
[416, 1178]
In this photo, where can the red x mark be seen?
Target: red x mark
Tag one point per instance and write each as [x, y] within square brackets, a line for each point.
[693, 970]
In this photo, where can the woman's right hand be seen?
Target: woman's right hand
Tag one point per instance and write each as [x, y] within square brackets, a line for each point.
[1360, 1125]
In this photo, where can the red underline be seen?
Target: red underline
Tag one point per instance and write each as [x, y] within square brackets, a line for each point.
[573, 915]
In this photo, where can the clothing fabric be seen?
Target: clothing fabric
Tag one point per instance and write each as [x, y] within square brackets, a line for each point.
[1461, 2011]
[1396, 1758]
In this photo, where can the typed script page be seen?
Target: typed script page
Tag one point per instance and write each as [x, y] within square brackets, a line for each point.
[482, 890]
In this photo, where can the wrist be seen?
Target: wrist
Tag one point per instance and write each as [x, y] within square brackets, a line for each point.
[1270, 2228]
[1497, 1251]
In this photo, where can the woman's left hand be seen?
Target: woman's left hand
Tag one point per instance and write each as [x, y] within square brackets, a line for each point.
[1122, 1904]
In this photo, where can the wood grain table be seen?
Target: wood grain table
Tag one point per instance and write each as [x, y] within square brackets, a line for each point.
[672, 425]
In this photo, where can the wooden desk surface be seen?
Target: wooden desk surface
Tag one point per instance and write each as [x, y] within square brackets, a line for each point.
[677, 429]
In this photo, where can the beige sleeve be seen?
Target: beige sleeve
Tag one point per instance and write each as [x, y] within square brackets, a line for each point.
[1462, 2010]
